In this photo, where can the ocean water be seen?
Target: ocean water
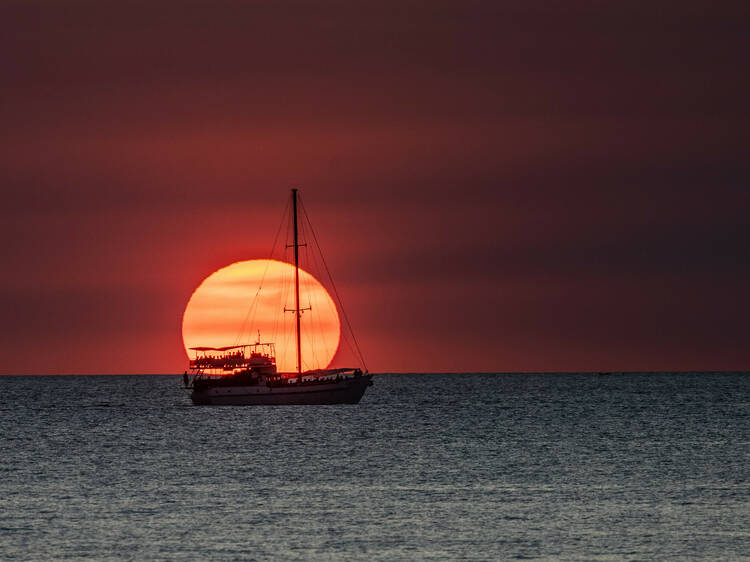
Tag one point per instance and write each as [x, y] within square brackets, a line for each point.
[442, 467]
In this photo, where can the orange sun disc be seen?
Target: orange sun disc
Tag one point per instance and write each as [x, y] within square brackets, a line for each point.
[230, 307]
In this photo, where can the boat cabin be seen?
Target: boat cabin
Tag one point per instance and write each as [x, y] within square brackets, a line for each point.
[257, 357]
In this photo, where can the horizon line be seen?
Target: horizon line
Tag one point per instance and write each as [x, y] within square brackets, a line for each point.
[544, 372]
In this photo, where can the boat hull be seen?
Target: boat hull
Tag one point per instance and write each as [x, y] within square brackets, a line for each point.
[346, 391]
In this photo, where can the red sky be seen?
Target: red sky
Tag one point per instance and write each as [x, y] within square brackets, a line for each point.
[498, 186]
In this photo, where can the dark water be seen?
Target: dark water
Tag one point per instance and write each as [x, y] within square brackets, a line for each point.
[425, 467]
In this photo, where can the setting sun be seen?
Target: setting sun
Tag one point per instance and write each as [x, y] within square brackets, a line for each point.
[228, 308]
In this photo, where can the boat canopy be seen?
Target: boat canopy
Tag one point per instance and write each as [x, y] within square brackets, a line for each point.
[226, 348]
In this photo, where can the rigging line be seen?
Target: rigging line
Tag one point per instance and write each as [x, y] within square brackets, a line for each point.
[308, 259]
[288, 329]
[254, 302]
[277, 314]
[333, 285]
[307, 317]
[345, 338]
[317, 322]
[311, 342]
[312, 316]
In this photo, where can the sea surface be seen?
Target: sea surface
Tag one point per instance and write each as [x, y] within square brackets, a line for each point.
[426, 467]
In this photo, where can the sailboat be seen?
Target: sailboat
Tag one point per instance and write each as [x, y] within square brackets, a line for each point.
[246, 374]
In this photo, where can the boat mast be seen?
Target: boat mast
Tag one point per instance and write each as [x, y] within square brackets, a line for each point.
[297, 311]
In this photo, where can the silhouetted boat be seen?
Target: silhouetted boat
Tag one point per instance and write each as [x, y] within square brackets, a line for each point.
[247, 374]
